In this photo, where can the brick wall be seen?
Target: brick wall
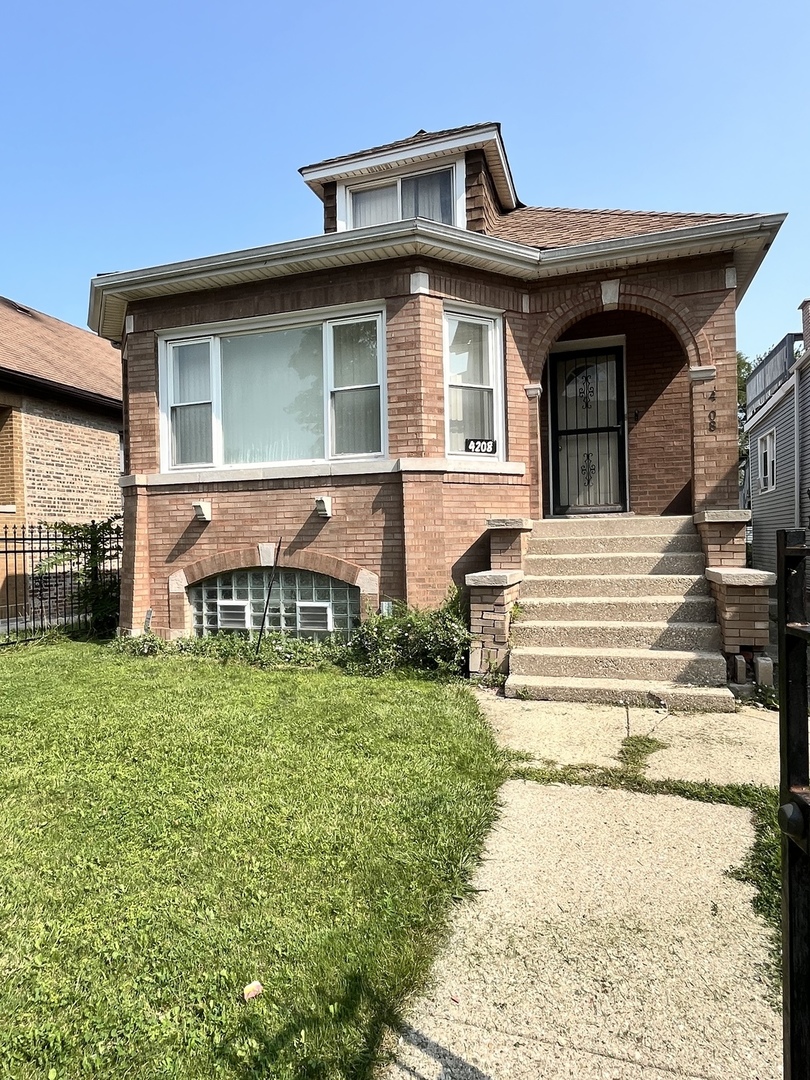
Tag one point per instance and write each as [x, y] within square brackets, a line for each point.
[12, 490]
[71, 464]
[420, 529]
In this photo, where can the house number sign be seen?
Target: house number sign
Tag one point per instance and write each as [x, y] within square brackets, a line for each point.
[713, 413]
[481, 446]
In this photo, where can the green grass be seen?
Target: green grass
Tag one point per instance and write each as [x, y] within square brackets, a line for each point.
[761, 867]
[172, 829]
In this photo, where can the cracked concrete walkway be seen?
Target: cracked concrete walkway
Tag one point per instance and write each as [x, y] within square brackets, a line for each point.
[605, 939]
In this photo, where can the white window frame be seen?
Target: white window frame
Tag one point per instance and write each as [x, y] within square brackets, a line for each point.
[766, 445]
[321, 605]
[212, 332]
[456, 166]
[493, 320]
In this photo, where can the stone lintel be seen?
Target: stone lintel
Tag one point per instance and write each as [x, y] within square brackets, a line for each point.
[704, 373]
[510, 524]
[737, 575]
[495, 578]
[178, 581]
[710, 517]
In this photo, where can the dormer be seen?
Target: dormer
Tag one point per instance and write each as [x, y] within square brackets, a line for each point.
[457, 177]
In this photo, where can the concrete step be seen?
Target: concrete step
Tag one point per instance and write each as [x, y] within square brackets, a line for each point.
[604, 585]
[683, 609]
[690, 637]
[677, 696]
[649, 543]
[566, 566]
[612, 525]
[657, 665]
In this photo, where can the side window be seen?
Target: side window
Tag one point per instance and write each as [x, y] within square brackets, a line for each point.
[473, 373]
[767, 461]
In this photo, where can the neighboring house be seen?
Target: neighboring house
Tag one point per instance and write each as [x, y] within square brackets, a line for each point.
[399, 398]
[778, 429]
[60, 420]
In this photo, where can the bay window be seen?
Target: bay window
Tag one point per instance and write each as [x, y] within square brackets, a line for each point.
[282, 393]
[473, 368]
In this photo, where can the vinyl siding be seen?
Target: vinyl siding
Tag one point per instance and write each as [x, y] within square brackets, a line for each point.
[776, 509]
[804, 447]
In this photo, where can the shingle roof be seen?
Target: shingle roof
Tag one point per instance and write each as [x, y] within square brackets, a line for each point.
[42, 347]
[402, 144]
[550, 227]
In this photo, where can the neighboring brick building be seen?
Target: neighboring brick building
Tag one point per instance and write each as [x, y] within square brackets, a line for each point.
[442, 356]
[60, 421]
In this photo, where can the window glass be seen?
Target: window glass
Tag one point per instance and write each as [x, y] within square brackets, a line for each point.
[469, 352]
[471, 416]
[191, 435]
[357, 421]
[192, 372]
[429, 196]
[374, 206]
[355, 349]
[272, 396]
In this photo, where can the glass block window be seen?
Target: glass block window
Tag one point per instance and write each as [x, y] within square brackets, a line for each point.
[302, 604]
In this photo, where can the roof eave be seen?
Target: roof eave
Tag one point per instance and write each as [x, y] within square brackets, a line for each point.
[486, 137]
[111, 293]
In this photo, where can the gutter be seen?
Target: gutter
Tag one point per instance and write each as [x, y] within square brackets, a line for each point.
[418, 237]
[16, 381]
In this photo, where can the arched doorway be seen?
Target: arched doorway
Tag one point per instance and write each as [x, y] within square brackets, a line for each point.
[616, 418]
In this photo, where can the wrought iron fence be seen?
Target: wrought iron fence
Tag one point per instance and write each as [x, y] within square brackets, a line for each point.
[59, 576]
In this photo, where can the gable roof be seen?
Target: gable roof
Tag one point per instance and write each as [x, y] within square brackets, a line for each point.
[39, 347]
[551, 227]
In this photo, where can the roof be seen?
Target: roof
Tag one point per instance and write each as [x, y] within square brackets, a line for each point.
[424, 146]
[744, 239]
[420, 137]
[37, 346]
[551, 227]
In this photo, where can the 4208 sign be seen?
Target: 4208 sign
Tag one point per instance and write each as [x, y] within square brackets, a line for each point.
[481, 446]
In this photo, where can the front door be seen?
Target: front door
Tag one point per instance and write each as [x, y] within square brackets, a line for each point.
[588, 461]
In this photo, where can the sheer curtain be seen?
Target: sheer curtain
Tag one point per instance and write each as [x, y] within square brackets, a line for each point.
[272, 396]
[471, 401]
[192, 442]
[428, 196]
[356, 394]
[373, 206]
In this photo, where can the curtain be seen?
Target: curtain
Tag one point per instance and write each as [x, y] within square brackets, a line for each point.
[428, 196]
[374, 206]
[192, 442]
[272, 396]
[356, 415]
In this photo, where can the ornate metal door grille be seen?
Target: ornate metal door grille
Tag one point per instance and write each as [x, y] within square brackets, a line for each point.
[588, 468]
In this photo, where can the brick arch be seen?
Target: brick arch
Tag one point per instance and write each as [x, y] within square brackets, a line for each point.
[632, 297]
[262, 555]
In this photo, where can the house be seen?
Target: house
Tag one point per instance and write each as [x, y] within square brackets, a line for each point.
[445, 386]
[778, 428]
[60, 420]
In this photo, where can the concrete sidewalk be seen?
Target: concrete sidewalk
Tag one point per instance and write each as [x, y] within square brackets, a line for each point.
[605, 939]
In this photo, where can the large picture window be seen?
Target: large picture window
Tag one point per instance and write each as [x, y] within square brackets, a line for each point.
[473, 369]
[284, 393]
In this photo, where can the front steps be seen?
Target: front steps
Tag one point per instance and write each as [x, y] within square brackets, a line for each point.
[616, 609]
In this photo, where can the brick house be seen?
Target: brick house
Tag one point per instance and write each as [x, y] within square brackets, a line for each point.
[448, 386]
[60, 420]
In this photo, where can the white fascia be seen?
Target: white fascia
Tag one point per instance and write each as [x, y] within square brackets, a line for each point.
[110, 293]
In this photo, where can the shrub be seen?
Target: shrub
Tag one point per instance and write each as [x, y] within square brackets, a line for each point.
[428, 641]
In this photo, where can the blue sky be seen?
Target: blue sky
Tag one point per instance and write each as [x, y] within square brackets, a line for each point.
[140, 133]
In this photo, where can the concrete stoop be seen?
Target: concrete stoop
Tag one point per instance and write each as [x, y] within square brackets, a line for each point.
[616, 609]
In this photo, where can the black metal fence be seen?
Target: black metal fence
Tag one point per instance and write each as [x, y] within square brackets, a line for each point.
[59, 576]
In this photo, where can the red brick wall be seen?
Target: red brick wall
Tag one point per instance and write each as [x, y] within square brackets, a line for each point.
[659, 425]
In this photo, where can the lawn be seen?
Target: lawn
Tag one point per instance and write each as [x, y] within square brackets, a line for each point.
[172, 829]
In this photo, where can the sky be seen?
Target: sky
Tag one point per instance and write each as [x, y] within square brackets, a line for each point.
[135, 134]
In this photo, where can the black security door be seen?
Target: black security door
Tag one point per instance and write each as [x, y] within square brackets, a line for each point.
[588, 458]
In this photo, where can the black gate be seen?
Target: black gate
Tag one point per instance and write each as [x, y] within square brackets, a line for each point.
[794, 798]
[54, 576]
[588, 464]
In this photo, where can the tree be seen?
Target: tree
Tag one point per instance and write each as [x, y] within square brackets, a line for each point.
[744, 369]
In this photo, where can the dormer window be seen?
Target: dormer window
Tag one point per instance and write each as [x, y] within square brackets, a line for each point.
[426, 195]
